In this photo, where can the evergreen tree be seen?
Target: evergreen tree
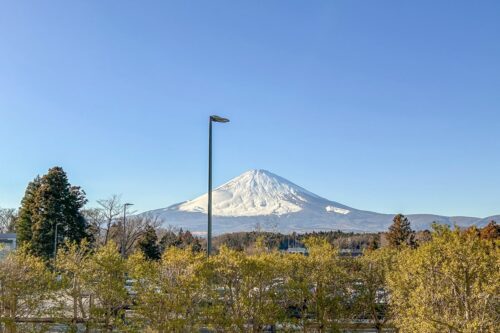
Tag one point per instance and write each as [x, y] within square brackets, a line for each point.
[167, 240]
[186, 239]
[373, 244]
[491, 231]
[400, 232]
[24, 222]
[51, 203]
[148, 244]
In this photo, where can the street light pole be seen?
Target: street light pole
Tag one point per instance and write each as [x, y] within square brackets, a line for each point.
[124, 229]
[216, 119]
[55, 241]
[209, 232]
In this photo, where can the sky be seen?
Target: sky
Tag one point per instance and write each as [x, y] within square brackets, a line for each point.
[388, 106]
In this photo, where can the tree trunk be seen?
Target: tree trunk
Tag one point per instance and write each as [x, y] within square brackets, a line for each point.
[75, 309]
[10, 326]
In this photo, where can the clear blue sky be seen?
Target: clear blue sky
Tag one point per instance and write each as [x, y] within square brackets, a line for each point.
[390, 106]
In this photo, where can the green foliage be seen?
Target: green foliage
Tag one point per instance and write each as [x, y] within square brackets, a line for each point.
[24, 225]
[274, 240]
[327, 278]
[104, 278]
[168, 239]
[26, 289]
[316, 287]
[169, 293]
[491, 231]
[369, 284]
[148, 244]
[450, 284]
[50, 201]
[248, 290]
[182, 240]
[73, 265]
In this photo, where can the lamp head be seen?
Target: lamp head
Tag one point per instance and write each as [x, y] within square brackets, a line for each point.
[218, 119]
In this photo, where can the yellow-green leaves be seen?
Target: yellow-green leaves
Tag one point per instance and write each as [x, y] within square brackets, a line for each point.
[316, 287]
[26, 288]
[247, 289]
[168, 292]
[105, 280]
[450, 284]
[73, 266]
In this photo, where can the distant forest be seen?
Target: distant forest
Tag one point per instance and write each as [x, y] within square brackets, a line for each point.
[339, 239]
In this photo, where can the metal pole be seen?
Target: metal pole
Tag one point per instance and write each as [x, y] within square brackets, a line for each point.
[209, 234]
[55, 241]
[124, 230]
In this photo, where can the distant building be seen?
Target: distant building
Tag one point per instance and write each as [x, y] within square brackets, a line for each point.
[8, 242]
[299, 250]
[350, 252]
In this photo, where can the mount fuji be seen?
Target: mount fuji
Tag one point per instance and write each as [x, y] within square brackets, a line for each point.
[259, 199]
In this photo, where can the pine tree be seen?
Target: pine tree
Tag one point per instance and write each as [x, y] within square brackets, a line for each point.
[374, 243]
[491, 231]
[51, 203]
[148, 244]
[400, 232]
[186, 239]
[169, 239]
[24, 222]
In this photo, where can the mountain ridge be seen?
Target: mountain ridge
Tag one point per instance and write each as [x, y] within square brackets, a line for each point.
[259, 198]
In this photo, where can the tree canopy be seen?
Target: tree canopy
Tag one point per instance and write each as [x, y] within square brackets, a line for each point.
[51, 203]
[400, 232]
[450, 284]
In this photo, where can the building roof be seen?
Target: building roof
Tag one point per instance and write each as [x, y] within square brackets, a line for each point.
[9, 236]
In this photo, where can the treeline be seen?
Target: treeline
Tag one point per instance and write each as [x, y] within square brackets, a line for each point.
[400, 230]
[448, 284]
[279, 241]
[109, 272]
[53, 210]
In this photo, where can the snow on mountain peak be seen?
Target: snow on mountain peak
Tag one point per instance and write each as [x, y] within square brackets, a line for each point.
[261, 197]
[253, 193]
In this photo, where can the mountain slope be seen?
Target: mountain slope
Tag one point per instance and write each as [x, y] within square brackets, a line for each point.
[261, 199]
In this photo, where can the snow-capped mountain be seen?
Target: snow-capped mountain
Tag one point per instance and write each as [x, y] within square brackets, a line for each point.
[254, 193]
[261, 199]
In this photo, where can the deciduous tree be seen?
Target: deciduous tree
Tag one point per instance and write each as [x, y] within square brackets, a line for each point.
[8, 218]
[368, 282]
[110, 208]
[249, 290]
[449, 284]
[26, 289]
[72, 264]
[169, 291]
[105, 280]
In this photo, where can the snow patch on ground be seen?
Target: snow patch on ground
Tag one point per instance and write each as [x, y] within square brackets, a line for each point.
[333, 209]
